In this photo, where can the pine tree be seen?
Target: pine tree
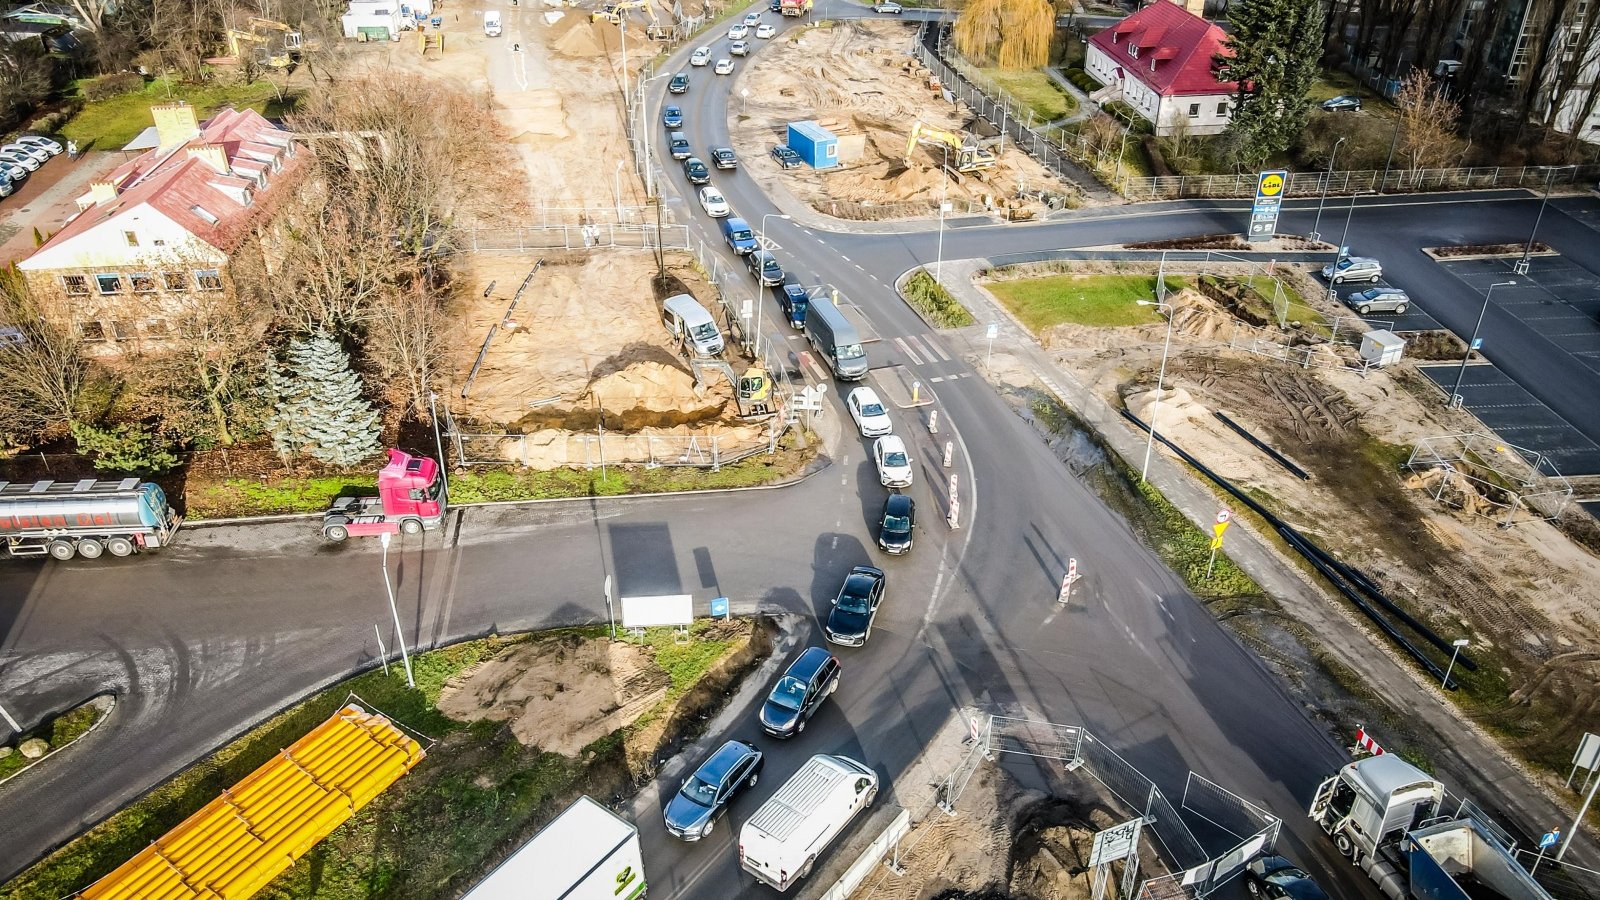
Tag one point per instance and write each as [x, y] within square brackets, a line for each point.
[318, 407]
[1274, 51]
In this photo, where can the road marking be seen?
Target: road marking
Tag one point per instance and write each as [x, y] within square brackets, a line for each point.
[843, 257]
[933, 346]
[910, 353]
[936, 379]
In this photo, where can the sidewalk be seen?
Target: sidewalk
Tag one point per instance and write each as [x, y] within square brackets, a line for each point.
[1470, 761]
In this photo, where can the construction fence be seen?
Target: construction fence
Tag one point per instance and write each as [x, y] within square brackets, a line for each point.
[1358, 181]
[578, 237]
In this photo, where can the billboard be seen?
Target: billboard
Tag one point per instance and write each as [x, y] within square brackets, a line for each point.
[1264, 211]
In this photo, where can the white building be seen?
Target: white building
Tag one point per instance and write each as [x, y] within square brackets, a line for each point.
[383, 20]
[1159, 62]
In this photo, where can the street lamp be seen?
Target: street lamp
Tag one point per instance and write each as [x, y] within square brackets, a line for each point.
[1338, 252]
[642, 127]
[1155, 408]
[399, 634]
[1527, 253]
[1456, 391]
[1445, 681]
[1327, 179]
[761, 241]
[944, 186]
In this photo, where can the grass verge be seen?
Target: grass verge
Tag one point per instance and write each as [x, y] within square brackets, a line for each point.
[58, 732]
[935, 303]
[110, 124]
[1100, 301]
[1035, 90]
[478, 792]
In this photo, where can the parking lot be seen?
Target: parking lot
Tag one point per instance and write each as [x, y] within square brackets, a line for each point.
[1557, 299]
[1518, 417]
[1413, 319]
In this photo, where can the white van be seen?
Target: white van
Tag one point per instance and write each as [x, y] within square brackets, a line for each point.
[781, 842]
[689, 324]
[491, 23]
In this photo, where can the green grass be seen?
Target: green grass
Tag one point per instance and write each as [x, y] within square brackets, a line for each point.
[1035, 90]
[1299, 310]
[1100, 301]
[935, 303]
[280, 495]
[58, 732]
[110, 124]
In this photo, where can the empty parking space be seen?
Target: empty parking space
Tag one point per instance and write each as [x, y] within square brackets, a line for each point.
[1556, 298]
[1518, 417]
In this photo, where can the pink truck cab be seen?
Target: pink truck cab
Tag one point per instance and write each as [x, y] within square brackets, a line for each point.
[411, 497]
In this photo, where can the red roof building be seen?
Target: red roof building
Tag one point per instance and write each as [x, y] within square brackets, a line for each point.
[1159, 62]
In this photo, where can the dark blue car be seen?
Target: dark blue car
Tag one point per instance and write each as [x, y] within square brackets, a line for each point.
[796, 696]
[672, 117]
[692, 812]
[795, 302]
[850, 621]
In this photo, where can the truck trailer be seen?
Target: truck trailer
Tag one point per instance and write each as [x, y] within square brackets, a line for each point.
[586, 853]
[85, 518]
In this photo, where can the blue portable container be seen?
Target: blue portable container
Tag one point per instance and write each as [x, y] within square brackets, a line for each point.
[816, 145]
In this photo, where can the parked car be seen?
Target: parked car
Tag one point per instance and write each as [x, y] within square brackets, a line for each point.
[899, 520]
[868, 412]
[692, 812]
[679, 84]
[810, 680]
[786, 158]
[723, 67]
[1353, 268]
[672, 117]
[6, 187]
[764, 31]
[22, 160]
[775, 6]
[1379, 299]
[795, 300]
[13, 171]
[723, 158]
[738, 32]
[700, 57]
[752, 19]
[1348, 102]
[1275, 878]
[739, 48]
[37, 154]
[850, 621]
[696, 171]
[712, 201]
[42, 142]
[893, 9]
[678, 146]
[764, 266]
[894, 464]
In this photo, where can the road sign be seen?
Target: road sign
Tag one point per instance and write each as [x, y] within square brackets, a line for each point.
[993, 330]
[1477, 343]
[1223, 516]
[1115, 843]
[1549, 839]
[719, 607]
[1268, 203]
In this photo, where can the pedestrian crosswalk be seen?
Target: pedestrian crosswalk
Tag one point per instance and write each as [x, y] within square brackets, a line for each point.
[925, 350]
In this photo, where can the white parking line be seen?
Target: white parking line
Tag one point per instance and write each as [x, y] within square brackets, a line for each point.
[910, 353]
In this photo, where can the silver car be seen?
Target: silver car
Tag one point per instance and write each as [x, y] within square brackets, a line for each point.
[1379, 299]
[1353, 268]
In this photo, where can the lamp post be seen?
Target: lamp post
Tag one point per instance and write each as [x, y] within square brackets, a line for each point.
[761, 240]
[1527, 253]
[1445, 681]
[1326, 180]
[399, 635]
[643, 127]
[438, 443]
[944, 186]
[1456, 391]
[1155, 408]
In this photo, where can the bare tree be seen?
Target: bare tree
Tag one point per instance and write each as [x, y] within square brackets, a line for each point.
[44, 363]
[1428, 121]
[407, 341]
[26, 75]
[1568, 100]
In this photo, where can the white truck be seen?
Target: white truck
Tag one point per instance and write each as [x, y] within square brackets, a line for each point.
[781, 842]
[586, 853]
[1384, 815]
[491, 23]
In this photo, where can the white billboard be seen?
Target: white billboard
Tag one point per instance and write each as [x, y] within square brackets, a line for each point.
[654, 612]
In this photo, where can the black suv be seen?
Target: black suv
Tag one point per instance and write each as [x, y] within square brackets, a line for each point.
[679, 84]
[899, 518]
[850, 621]
[795, 698]
[696, 171]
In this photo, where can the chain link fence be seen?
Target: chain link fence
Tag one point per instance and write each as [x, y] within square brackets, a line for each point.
[577, 237]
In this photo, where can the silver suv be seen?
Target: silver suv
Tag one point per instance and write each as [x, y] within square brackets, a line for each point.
[1354, 268]
[1379, 299]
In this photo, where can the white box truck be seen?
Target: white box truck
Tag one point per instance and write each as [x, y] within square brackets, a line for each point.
[586, 853]
[781, 842]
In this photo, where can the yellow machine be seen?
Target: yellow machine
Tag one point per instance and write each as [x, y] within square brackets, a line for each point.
[969, 157]
[434, 42]
[271, 44]
[614, 12]
[754, 393]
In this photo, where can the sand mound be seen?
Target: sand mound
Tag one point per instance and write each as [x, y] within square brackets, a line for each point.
[533, 115]
[651, 389]
[555, 448]
[1175, 407]
[578, 38]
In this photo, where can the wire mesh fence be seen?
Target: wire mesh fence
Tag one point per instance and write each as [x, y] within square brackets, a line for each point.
[705, 448]
[578, 237]
[1393, 181]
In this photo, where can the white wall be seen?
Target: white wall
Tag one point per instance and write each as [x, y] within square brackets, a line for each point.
[1209, 121]
[1163, 113]
[106, 246]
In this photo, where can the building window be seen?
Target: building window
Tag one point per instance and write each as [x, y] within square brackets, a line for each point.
[109, 283]
[120, 332]
[143, 282]
[132, 237]
[1222, 108]
[208, 279]
[77, 285]
[1133, 50]
[155, 327]
[175, 281]
[159, 242]
[93, 331]
[204, 214]
[1194, 110]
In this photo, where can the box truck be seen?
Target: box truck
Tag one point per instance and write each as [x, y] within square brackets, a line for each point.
[587, 853]
[781, 842]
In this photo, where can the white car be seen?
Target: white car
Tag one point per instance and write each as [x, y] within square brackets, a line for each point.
[37, 154]
[738, 32]
[868, 411]
[894, 464]
[715, 204]
[765, 31]
[752, 19]
[700, 57]
[43, 143]
[21, 160]
[13, 171]
[739, 48]
[723, 67]
[893, 9]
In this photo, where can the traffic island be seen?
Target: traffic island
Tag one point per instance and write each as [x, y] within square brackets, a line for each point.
[53, 735]
[900, 386]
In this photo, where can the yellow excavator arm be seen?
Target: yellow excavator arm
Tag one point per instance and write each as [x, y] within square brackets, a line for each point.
[969, 156]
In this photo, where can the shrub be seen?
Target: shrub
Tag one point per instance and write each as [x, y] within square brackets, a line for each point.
[1083, 80]
[124, 447]
[935, 303]
[1125, 114]
[114, 85]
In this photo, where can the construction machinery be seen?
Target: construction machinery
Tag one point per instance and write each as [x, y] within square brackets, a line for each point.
[968, 156]
[614, 12]
[269, 43]
[752, 391]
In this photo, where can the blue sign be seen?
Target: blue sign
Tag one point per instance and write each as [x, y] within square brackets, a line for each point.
[1549, 839]
[1477, 343]
[719, 607]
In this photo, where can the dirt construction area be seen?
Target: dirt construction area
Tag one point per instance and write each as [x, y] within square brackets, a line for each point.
[857, 79]
[1527, 596]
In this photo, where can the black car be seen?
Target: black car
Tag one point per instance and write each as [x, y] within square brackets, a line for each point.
[1276, 878]
[1347, 102]
[894, 529]
[795, 302]
[696, 171]
[786, 158]
[764, 266]
[723, 158]
[679, 84]
[850, 621]
[775, 6]
[692, 812]
[672, 117]
[796, 696]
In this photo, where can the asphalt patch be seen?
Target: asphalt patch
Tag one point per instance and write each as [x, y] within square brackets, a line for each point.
[1518, 417]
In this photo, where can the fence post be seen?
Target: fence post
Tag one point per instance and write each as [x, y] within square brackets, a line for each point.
[716, 454]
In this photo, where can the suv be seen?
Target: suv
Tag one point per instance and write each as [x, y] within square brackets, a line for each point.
[723, 158]
[764, 266]
[850, 621]
[736, 232]
[679, 84]
[810, 680]
[899, 520]
[1379, 299]
[787, 158]
[696, 171]
[1353, 268]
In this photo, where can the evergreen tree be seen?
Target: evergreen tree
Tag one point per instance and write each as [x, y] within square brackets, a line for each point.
[318, 407]
[1274, 52]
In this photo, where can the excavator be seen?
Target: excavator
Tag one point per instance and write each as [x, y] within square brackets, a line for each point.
[969, 157]
[613, 12]
[752, 391]
[273, 44]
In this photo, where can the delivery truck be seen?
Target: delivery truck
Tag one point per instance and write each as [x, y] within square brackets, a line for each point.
[781, 842]
[85, 518]
[586, 853]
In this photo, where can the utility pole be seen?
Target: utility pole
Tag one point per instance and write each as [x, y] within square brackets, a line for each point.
[1327, 179]
[399, 634]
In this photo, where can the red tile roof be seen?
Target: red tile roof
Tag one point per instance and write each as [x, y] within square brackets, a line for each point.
[176, 183]
[1177, 43]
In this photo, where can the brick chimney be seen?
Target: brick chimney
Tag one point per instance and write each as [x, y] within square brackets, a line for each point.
[213, 155]
[175, 123]
[102, 192]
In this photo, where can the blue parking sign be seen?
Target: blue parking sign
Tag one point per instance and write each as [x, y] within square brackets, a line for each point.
[719, 607]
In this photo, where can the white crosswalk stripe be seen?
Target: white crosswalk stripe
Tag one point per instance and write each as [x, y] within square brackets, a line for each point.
[934, 349]
[910, 353]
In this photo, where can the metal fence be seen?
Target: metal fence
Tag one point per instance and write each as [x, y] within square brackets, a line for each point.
[578, 237]
[1394, 181]
[575, 212]
[701, 449]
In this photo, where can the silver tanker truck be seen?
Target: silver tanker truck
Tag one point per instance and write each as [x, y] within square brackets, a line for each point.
[84, 518]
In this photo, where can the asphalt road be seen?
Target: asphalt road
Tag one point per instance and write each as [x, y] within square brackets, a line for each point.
[232, 623]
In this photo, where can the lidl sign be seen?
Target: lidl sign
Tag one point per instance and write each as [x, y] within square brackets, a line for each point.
[1264, 212]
